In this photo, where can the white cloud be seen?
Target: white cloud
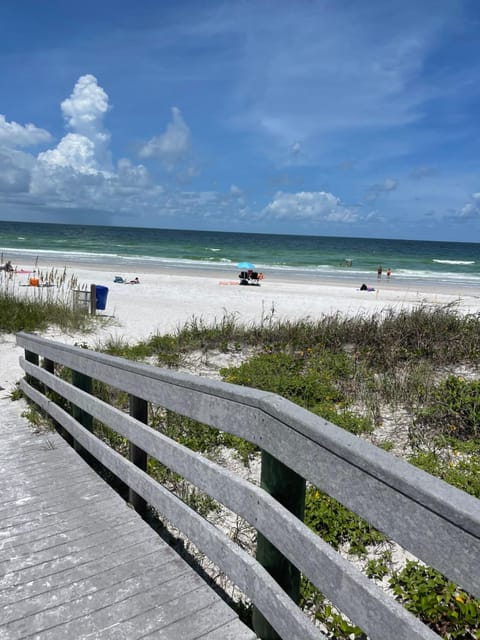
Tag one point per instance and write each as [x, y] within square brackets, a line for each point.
[389, 184]
[235, 191]
[171, 147]
[78, 172]
[13, 134]
[15, 168]
[74, 151]
[81, 163]
[86, 107]
[316, 206]
[296, 148]
[84, 112]
[470, 210]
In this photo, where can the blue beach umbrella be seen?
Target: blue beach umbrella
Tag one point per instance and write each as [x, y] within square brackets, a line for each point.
[245, 265]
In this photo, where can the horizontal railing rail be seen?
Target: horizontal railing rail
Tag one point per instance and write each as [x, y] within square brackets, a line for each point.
[436, 522]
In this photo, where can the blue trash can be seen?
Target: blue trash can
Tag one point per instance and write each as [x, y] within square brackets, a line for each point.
[101, 294]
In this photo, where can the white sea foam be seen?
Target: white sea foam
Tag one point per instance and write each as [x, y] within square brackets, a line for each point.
[118, 260]
[454, 261]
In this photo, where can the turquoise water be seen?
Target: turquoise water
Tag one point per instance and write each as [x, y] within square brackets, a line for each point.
[306, 256]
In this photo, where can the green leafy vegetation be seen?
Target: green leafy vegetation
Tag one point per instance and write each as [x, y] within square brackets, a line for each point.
[453, 409]
[338, 525]
[458, 469]
[441, 605]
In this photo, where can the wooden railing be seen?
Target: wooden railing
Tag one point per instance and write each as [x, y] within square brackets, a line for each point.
[436, 522]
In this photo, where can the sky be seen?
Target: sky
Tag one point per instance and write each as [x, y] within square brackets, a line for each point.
[312, 117]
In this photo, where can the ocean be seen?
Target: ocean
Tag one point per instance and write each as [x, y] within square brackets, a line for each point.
[301, 256]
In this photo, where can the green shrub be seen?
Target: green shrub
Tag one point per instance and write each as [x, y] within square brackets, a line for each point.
[304, 377]
[338, 627]
[338, 525]
[458, 469]
[439, 603]
[453, 409]
[343, 418]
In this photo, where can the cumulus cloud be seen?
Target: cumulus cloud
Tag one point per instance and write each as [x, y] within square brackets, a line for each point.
[133, 175]
[13, 134]
[470, 209]
[85, 109]
[15, 168]
[74, 151]
[84, 152]
[172, 146]
[315, 206]
[78, 172]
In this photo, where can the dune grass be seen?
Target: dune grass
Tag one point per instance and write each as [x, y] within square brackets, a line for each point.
[37, 308]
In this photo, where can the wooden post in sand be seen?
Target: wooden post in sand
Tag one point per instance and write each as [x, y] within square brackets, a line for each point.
[139, 411]
[93, 299]
[32, 357]
[49, 365]
[84, 383]
[288, 488]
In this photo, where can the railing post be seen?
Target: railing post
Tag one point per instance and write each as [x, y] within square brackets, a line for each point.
[288, 488]
[139, 411]
[84, 383]
[49, 365]
[31, 357]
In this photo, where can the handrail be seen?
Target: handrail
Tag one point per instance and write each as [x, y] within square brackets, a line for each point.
[379, 487]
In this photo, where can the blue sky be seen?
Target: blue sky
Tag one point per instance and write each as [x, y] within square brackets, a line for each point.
[324, 117]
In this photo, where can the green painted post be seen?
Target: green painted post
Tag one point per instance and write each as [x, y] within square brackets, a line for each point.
[49, 365]
[139, 411]
[288, 488]
[32, 357]
[84, 383]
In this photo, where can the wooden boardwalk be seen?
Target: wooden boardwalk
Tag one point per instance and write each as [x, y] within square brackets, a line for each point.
[77, 562]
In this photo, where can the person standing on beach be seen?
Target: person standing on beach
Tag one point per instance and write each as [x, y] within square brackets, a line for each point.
[379, 271]
[389, 272]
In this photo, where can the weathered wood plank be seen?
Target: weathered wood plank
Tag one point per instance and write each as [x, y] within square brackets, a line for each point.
[251, 578]
[100, 557]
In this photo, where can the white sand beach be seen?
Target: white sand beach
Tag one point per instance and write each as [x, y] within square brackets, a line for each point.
[165, 300]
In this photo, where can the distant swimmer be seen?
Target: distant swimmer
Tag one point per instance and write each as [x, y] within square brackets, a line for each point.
[379, 271]
[389, 272]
